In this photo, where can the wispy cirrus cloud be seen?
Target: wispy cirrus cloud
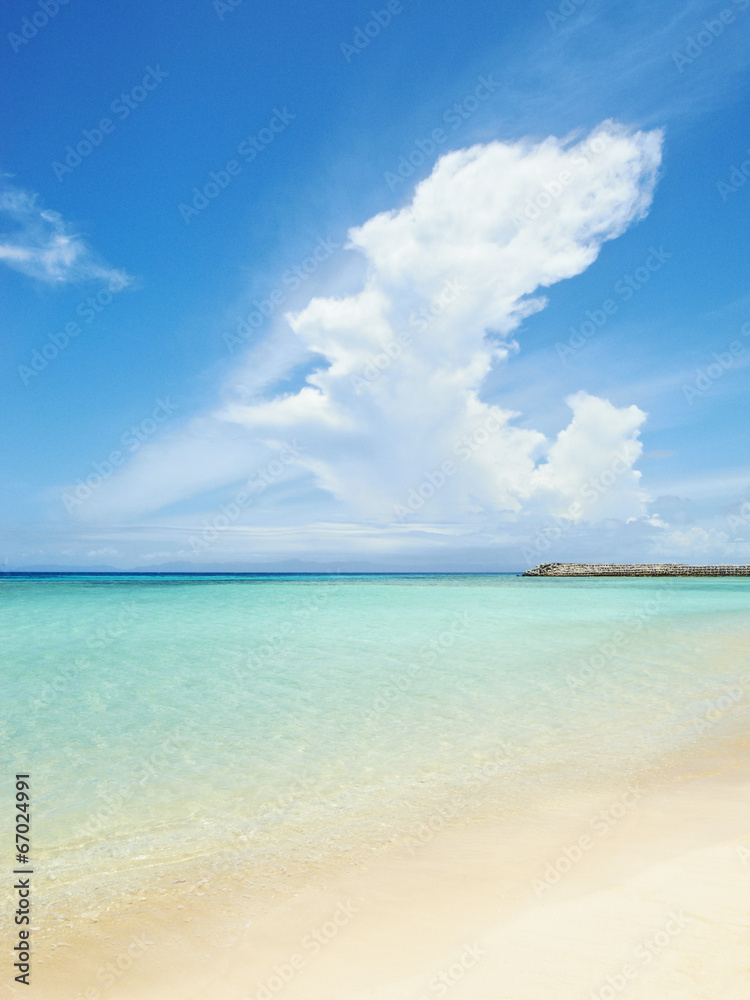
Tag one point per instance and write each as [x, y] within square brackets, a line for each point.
[37, 242]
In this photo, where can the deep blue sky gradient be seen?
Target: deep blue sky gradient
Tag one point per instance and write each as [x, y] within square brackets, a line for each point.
[325, 172]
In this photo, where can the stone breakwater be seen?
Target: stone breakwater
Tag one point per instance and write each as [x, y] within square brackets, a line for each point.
[634, 569]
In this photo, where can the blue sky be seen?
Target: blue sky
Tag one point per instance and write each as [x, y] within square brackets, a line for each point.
[262, 447]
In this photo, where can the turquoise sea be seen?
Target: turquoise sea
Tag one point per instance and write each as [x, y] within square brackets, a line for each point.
[271, 720]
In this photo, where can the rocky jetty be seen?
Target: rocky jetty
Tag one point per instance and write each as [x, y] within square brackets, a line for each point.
[634, 569]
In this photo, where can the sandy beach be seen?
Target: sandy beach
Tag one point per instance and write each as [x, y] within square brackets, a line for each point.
[640, 891]
[375, 501]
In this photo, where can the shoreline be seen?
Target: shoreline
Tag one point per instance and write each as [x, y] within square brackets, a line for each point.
[479, 894]
[381, 927]
[93, 875]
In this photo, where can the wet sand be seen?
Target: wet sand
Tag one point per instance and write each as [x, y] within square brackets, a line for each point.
[639, 890]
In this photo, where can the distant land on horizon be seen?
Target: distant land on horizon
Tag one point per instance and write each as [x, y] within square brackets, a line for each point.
[298, 566]
[286, 567]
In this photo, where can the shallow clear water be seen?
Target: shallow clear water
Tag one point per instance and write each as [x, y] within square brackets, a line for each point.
[172, 717]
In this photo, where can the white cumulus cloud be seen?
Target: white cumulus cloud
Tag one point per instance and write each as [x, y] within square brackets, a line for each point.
[393, 426]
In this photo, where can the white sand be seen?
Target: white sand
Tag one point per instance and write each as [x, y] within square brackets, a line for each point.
[656, 907]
